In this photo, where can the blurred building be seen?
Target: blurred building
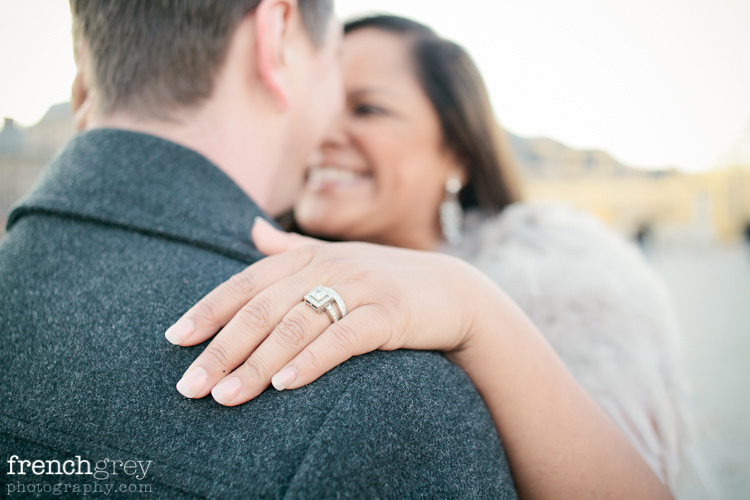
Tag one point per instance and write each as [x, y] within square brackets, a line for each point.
[24, 152]
[674, 208]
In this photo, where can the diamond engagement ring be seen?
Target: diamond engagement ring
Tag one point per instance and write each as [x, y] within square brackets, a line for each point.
[324, 299]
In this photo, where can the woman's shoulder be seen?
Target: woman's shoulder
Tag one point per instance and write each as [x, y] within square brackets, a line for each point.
[553, 239]
[563, 255]
[542, 227]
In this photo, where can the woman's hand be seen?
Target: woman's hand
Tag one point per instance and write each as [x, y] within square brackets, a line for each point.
[395, 299]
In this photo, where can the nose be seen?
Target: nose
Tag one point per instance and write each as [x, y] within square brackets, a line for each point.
[336, 137]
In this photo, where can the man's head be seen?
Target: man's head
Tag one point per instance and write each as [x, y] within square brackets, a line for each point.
[165, 61]
[149, 58]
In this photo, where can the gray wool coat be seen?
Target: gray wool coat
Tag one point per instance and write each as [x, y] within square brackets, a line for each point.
[122, 235]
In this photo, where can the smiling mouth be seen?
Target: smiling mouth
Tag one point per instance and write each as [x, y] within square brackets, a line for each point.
[323, 176]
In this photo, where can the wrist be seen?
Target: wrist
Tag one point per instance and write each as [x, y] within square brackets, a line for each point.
[486, 314]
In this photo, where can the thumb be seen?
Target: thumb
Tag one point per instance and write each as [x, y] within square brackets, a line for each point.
[271, 241]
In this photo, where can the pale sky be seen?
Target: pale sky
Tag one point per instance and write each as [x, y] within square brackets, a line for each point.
[654, 82]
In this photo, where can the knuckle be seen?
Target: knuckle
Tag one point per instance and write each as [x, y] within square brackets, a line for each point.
[242, 283]
[359, 275]
[256, 368]
[294, 330]
[256, 314]
[386, 319]
[347, 269]
[218, 354]
[306, 254]
[343, 335]
[390, 304]
[333, 260]
[312, 361]
[206, 310]
[391, 311]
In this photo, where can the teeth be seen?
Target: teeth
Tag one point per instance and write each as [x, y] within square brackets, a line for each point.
[332, 174]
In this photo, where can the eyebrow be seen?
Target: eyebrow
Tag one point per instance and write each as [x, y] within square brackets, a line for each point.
[371, 90]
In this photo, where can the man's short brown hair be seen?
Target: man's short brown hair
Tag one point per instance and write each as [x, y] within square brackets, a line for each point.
[150, 57]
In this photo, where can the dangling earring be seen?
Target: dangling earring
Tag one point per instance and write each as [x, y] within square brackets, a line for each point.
[451, 213]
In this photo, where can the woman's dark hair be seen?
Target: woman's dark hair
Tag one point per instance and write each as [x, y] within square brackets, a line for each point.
[452, 83]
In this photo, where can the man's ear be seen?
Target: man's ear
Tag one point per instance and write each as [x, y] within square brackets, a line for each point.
[272, 22]
[80, 97]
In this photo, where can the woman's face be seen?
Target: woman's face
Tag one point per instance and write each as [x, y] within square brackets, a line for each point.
[380, 174]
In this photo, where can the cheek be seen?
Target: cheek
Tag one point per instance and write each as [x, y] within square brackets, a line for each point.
[408, 171]
[388, 152]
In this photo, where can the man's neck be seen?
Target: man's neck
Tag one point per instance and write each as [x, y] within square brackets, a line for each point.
[245, 151]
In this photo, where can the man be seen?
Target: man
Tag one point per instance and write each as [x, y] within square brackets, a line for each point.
[202, 113]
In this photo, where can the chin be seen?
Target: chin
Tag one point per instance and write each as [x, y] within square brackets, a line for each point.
[325, 224]
[318, 223]
[325, 231]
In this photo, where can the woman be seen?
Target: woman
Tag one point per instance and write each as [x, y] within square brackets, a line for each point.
[418, 144]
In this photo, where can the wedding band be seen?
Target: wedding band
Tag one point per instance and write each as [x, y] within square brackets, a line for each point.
[332, 313]
[323, 299]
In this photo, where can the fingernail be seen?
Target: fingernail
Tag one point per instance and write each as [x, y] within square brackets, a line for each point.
[180, 331]
[284, 378]
[227, 390]
[260, 221]
[193, 382]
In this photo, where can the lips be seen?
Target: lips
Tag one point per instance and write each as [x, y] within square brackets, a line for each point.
[322, 176]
